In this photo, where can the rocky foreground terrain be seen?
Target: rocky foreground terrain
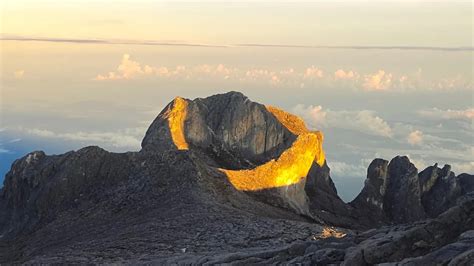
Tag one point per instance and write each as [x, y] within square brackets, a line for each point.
[227, 180]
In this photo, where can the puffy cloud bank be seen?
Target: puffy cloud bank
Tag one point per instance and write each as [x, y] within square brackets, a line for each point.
[311, 76]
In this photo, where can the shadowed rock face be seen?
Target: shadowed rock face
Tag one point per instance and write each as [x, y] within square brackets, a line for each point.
[402, 195]
[225, 180]
[395, 193]
[370, 201]
[441, 188]
[234, 131]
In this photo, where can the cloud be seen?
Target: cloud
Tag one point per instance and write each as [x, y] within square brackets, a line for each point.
[19, 74]
[127, 69]
[463, 167]
[347, 170]
[365, 121]
[415, 138]
[288, 77]
[127, 138]
[378, 81]
[439, 114]
[314, 114]
[340, 74]
[313, 73]
[456, 167]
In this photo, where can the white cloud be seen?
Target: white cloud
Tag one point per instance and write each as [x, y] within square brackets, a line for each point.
[347, 170]
[18, 74]
[314, 115]
[453, 83]
[312, 76]
[438, 114]
[127, 69]
[378, 81]
[313, 73]
[127, 138]
[457, 167]
[415, 137]
[345, 75]
[364, 121]
[463, 167]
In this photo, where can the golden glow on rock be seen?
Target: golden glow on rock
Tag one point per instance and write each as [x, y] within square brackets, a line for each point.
[329, 232]
[176, 118]
[293, 164]
[294, 124]
[320, 156]
[297, 126]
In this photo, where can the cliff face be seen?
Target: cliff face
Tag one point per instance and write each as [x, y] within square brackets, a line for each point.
[229, 128]
[258, 148]
[217, 176]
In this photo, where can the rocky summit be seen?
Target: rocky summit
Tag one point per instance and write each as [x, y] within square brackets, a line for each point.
[225, 180]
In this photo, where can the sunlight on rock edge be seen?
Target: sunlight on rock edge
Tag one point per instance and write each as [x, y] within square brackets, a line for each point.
[297, 126]
[292, 166]
[176, 118]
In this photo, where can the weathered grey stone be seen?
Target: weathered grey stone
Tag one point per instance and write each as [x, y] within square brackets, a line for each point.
[369, 204]
[402, 201]
[169, 205]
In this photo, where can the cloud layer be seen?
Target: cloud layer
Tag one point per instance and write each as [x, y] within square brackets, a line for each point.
[306, 77]
[125, 139]
[364, 121]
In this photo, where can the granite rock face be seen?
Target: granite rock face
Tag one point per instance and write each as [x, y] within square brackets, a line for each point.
[229, 128]
[402, 194]
[395, 193]
[325, 205]
[391, 193]
[440, 189]
[370, 201]
[227, 180]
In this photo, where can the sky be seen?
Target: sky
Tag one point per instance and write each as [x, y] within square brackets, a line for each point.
[380, 79]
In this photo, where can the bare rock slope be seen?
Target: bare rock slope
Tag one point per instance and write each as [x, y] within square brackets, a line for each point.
[227, 180]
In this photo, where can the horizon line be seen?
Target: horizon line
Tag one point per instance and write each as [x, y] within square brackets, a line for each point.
[205, 45]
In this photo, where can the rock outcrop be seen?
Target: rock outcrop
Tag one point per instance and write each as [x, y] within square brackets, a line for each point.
[227, 180]
[370, 202]
[261, 149]
[395, 193]
[229, 128]
[402, 194]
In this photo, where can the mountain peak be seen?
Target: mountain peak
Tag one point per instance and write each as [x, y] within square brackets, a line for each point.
[235, 130]
[219, 168]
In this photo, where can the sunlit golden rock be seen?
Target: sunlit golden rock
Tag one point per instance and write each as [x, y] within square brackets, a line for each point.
[232, 128]
[176, 117]
[329, 232]
[293, 164]
[297, 126]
